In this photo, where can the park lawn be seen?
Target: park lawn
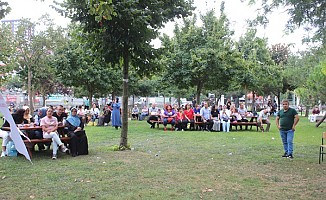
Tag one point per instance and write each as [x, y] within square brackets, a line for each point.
[174, 165]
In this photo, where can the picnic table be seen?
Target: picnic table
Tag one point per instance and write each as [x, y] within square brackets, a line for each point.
[30, 144]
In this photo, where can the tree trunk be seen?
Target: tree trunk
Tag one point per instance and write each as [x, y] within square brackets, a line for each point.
[198, 91]
[307, 111]
[29, 87]
[90, 96]
[321, 121]
[124, 130]
[253, 102]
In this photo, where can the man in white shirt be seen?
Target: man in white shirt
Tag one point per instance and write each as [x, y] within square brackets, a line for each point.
[263, 119]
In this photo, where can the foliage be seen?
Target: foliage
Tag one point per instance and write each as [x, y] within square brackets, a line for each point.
[81, 67]
[309, 14]
[4, 9]
[258, 73]
[196, 56]
[34, 44]
[124, 40]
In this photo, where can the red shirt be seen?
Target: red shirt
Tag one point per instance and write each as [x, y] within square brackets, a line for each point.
[180, 116]
[189, 113]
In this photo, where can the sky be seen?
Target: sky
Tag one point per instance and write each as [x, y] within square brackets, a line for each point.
[236, 11]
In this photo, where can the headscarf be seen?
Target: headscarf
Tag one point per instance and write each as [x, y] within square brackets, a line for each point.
[73, 120]
[43, 111]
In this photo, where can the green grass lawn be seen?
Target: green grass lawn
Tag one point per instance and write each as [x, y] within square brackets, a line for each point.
[174, 165]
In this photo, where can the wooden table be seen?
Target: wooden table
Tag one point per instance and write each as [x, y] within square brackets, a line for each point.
[30, 144]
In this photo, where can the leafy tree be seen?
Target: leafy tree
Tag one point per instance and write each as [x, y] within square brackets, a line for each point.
[280, 54]
[309, 14]
[34, 50]
[4, 9]
[196, 56]
[81, 67]
[257, 73]
[125, 38]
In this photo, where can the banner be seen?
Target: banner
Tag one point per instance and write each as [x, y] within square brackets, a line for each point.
[14, 131]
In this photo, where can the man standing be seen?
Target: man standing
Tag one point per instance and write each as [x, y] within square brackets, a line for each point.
[286, 120]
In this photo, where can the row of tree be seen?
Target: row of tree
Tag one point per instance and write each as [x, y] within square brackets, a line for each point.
[109, 51]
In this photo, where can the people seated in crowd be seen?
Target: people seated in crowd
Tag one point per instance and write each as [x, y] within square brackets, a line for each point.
[49, 126]
[60, 114]
[81, 113]
[169, 117]
[33, 134]
[181, 121]
[316, 111]
[18, 117]
[263, 119]
[243, 112]
[41, 112]
[94, 112]
[153, 115]
[205, 113]
[144, 113]
[197, 115]
[215, 118]
[190, 116]
[75, 130]
[135, 112]
[225, 119]
[105, 115]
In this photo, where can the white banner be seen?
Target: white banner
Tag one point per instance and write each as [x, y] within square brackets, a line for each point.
[14, 131]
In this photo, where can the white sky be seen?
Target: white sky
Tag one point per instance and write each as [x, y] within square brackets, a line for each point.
[236, 11]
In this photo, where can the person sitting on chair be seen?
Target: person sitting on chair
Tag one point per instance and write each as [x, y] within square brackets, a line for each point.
[135, 112]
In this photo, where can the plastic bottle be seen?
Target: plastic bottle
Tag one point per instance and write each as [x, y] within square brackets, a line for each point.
[64, 121]
[11, 149]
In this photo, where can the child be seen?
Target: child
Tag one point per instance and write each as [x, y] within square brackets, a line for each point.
[181, 120]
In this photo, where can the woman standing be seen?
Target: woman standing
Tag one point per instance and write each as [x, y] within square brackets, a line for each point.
[49, 127]
[116, 116]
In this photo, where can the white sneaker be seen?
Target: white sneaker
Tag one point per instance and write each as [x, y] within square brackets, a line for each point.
[64, 149]
[54, 157]
[3, 154]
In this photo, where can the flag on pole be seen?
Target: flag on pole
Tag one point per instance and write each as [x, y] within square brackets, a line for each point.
[14, 131]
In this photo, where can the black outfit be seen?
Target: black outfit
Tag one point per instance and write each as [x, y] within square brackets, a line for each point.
[78, 143]
[214, 114]
[60, 118]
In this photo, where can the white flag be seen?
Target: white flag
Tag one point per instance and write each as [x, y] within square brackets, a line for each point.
[14, 131]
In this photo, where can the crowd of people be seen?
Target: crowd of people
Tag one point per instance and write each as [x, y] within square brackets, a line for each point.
[72, 120]
[201, 117]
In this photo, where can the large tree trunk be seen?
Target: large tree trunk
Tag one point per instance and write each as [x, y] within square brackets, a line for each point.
[29, 88]
[307, 111]
[124, 130]
[253, 109]
[198, 91]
